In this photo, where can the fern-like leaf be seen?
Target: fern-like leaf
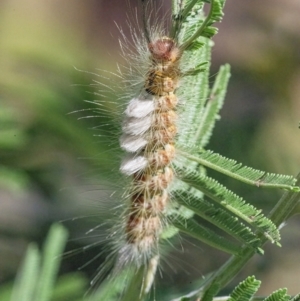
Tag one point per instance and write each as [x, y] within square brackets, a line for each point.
[25, 285]
[193, 229]
[190, 198]
[213, 106]
[229, 200]
[279, 295]
[296, 298]
[245, 290]
[194, 91]
[37, 278]
[202, 27]
[244, 174]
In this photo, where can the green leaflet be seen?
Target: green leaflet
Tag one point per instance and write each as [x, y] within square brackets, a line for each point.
[192, 228]
[201, 27]
[193, 94]
[36, 279]
[229, 200]
[24, 288]
[215, 102]
[279, 295]
[194, 88]
[244, 174]
[190, 198]
[53, 248]
[245, 290]
[200, 109]
[296, 298]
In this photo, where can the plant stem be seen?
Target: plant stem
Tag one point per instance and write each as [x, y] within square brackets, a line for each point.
[197, 34]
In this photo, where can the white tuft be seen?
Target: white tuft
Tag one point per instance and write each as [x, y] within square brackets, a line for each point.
[136, 126]
[139, 108]
[131, 165]
[132, 144]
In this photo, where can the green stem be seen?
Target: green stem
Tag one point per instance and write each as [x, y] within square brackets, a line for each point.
[145, 22]
[197, 34]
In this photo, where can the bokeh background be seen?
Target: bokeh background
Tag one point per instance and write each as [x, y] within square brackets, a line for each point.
[54, 167]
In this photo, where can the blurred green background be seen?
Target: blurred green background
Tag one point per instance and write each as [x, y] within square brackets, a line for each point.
[55, 167]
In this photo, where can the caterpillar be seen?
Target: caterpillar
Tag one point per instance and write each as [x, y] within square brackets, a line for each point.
[149, 136]
[149, 133]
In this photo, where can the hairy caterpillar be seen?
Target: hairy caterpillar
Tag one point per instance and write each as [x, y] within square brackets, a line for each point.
[149, 133]
[156, 68]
